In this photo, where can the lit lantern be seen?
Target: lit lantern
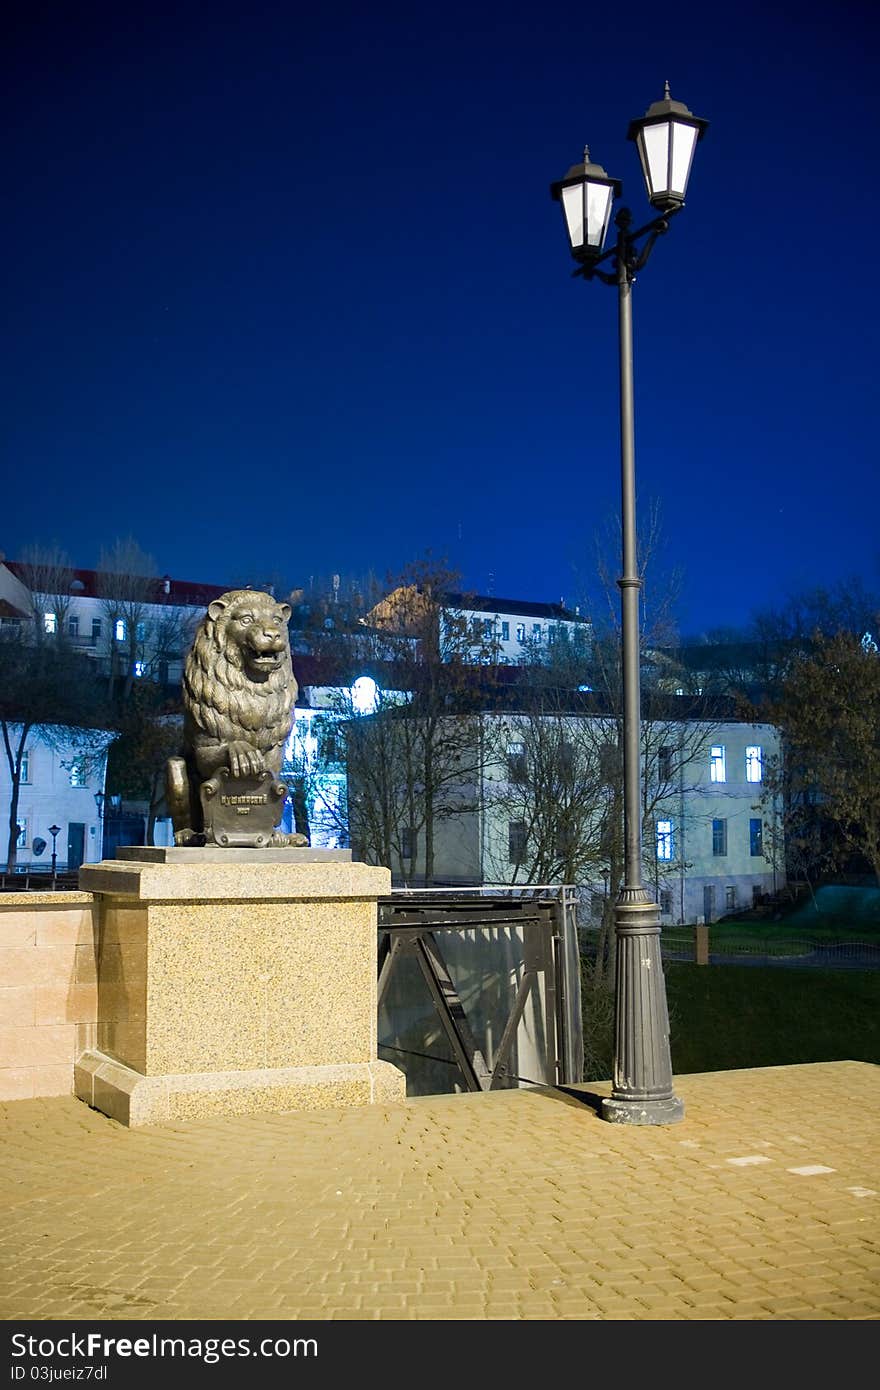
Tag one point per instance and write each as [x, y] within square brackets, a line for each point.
[666, 137]
[586, 194]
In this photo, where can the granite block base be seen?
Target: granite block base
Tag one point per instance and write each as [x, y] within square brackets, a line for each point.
[232, 986]
[134, 1100]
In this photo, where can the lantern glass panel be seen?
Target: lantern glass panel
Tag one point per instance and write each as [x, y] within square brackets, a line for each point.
[655, 162]
[598, 212]
[573, 207]
[684, 139]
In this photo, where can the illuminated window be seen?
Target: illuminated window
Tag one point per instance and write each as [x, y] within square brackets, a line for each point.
[50, 622]
[120, 630]
[26, 765]
[22, 827]
[516, 841]
[78, 775]
[754, 763]
[520, 632]
[665, 841]
[140, 667]
[756, 838]
[717, 763]
[719, 837]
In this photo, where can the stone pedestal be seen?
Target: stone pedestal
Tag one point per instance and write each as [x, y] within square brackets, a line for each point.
[234, 983]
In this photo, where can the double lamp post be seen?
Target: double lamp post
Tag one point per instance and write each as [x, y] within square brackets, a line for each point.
[666, 137]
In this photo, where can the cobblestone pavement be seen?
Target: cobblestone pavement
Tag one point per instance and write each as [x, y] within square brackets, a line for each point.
[764, 1203]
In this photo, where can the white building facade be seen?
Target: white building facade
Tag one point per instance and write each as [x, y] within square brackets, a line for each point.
[62, 785]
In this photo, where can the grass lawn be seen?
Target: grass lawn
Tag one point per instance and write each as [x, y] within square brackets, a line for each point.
[725, 1017]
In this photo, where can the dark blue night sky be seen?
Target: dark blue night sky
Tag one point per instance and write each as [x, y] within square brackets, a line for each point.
[286, 292]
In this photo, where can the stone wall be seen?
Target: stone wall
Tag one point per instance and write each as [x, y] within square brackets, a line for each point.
[48, 991]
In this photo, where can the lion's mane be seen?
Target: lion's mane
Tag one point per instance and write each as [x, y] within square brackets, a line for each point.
[219, 696]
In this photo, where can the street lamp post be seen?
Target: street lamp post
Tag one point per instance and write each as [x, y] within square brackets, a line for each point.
[666, 137]
[54, 831]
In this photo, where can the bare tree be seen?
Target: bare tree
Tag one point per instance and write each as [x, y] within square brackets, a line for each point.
[47, 572]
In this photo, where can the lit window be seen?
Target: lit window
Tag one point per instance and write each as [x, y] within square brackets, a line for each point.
[26, 765]
[140, 667]
[22, 827]
[719, 837]
[754, 763]
[505, 632]
[78, 775]
[717, 763]
[520, 632]
[73, 626]
[665, 843]
[120, 630]
[516, 841]
[50, 622]
[756, 838]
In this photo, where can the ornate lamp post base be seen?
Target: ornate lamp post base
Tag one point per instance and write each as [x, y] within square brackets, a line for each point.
[642, 1093]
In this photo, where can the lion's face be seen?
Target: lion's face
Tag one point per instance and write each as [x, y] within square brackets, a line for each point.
[251, 629]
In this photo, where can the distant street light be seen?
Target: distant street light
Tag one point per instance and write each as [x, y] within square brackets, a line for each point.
[54, 831]
[666, 137]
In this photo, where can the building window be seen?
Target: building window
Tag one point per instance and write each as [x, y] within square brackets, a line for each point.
[516, 762]
[120, 630]
[408, 843]
[26, 766]
[140, 631]
[717, 763]
[566, 758]
[719, 837]
[516, 841]
[551, 635]
[505, 632]
[50, 623]
[77, 774]
[140, 667]
[520, 632]
[665, 841]
[665, 902]
[730, 899]
[96, 629]
[664, 764]
[609, 762]
[756, 837]
[22, 827]
[536, 631]
[73, 626]
[754, 763]
[487, 629]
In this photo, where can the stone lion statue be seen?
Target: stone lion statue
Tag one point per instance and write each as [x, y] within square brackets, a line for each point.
[239, 693]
